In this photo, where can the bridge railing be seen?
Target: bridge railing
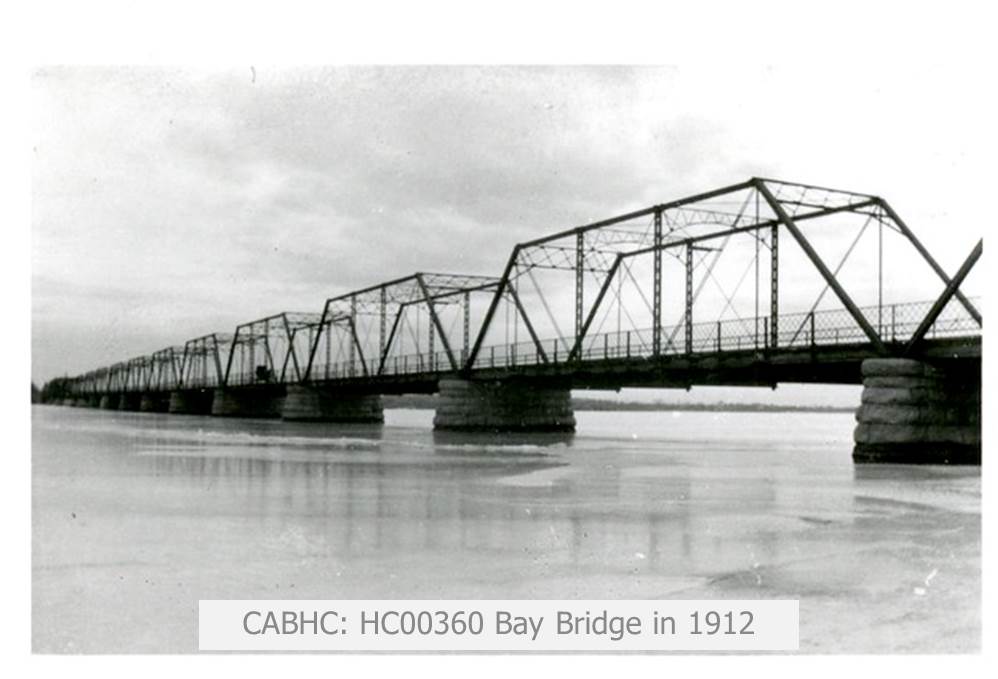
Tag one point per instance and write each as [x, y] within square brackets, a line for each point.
[406, 364]
[201, 382]
[895, 323]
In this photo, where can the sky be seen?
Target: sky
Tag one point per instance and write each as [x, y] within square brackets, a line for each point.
[170, 203]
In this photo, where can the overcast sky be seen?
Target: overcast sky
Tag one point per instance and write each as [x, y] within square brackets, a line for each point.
[172, 203]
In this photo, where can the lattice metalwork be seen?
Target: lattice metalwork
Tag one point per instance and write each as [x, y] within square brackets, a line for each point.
[203, 364]
[420, 323]
[271, 350]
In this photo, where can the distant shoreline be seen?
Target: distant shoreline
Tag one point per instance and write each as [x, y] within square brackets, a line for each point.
[428, 402]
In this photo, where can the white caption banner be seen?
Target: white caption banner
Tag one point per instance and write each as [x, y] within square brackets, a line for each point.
[498, 625]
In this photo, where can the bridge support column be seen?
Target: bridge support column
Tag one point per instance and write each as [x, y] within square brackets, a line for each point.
[309, 404]
[916, 413]
[261, 403]
[157, 402]
[191, 402]
[502, 406]
[108, 402]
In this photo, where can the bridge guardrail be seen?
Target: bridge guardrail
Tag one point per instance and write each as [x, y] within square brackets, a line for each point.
[895, 323]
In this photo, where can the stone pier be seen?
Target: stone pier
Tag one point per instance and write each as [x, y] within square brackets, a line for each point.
[467, 405]
[154, 402]
[310, 404]
[250, 402]
[190, 402]
[108, 402]
[916, 413]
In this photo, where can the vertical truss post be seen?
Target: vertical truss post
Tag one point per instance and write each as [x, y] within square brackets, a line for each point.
[310, 339]
[356, 347]
[756, 236]
[689, 298]
[266, 345]
[880, 276]
[252, 354]
[466, 303]
[656, 311]
[178, 372]
[382, 308]
[774, 286]
[329, 345]
[580, 260]
[218, 359]
[353, 329]
[391, 338]
[314, 344]
[435, 323]
[576, 350]
[430, 347]
[287, 358]
[232, 351]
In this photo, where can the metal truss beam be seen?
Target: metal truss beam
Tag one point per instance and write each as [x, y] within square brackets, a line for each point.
[971, 309]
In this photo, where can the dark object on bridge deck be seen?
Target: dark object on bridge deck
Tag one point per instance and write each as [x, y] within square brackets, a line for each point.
[155, 402]
[916, 413]
[467, 405]
[129, 401]
[108, 402]
[312, 404]
[248, 402]
[191, 402]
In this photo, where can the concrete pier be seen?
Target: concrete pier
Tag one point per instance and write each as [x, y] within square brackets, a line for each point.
[467, 405]
[916, 413]
[309, 404]
[262, 403]
[191, 402]
[154, 402]
[108, 402]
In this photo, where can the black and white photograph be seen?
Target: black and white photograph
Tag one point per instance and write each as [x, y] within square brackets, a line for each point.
[372, 357]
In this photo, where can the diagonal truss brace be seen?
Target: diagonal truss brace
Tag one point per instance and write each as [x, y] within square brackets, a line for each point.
[952, 289]
[436, 320]
[971, 309]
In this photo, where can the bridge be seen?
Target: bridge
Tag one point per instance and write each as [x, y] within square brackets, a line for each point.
[757, 283]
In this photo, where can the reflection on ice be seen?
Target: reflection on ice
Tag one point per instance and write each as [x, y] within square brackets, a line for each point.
[142, 513]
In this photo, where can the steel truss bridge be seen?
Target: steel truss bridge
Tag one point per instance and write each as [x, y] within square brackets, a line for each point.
[755, 283]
